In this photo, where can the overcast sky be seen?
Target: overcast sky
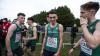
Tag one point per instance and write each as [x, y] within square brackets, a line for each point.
[10, 8]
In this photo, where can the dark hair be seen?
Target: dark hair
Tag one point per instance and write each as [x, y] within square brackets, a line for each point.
[5, 19]
[21, 14]
[51, 12]
[90, 5]
[1, 22]
[30, 18]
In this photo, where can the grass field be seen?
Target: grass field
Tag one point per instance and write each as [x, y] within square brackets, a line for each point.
[64, 51]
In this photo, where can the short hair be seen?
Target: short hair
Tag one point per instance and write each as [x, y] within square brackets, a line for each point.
[51, 12]
[91, 5]
[30, 18]
[5, 19]
[21, 14]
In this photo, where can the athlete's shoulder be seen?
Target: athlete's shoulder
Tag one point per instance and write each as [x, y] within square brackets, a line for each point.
[13, 26]
[98, 23]
[46, 25]
[60, 25]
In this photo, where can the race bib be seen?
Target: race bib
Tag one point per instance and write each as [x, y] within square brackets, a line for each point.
[18, 37]
[52, 42]
[84, 47]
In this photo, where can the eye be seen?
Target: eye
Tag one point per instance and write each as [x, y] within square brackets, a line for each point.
[52, 17]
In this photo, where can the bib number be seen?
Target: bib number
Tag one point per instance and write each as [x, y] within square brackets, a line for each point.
[84, 47]
[18, 37]
[52, 42]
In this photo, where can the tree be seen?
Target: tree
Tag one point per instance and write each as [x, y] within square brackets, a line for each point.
[66, 17]
[77, 21]
[40, 18]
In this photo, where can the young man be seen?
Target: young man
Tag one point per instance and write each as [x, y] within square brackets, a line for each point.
[53, 39]
[90, 40]
[32, 36]
[14, 36]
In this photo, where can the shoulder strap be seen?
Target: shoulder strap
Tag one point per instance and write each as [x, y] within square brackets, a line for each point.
[94, 23]
[58, 26]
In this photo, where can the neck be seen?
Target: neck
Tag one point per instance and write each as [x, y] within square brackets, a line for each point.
[31, 24]
[18, 23]
[53, 24]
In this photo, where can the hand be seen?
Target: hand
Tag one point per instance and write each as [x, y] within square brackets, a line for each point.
[56, 54]
[24, 38]
[70, 51]
[10, 53]
[83, 21]
[41, 53]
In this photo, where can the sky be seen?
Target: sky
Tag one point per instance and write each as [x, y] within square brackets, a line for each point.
[10, 8]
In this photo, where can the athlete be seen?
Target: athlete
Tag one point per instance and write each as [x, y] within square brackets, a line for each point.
[53, 39]
[32, 36]
[13, 37]
[90, 40]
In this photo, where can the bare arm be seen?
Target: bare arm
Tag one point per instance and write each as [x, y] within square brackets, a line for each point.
[9, 34]
[44, 40]
[61, 38]
[93, 40]
[77, 44]
[72, 49]
[35, 34]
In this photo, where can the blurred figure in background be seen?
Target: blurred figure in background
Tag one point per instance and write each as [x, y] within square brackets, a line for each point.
[6, 25]
[74, 29]
[1, 27]
[14, 21]
[32, 37]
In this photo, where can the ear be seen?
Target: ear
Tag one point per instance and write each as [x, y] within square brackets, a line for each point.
[47, 18]
[57, 18]
[92, 12]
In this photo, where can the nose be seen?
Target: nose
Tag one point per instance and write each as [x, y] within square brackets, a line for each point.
[52, 18]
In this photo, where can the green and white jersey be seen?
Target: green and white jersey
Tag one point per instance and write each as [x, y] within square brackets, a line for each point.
[52, 39]
[31, 35]
[15, 38]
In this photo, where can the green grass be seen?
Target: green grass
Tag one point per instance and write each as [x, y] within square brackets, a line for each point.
[64, 51]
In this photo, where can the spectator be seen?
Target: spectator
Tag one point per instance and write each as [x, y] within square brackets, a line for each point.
[74, 29]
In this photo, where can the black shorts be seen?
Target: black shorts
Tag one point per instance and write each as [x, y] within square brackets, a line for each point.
[3, 44]
[83, 54]
[29, 45]
[48, 53]
[18, 51]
